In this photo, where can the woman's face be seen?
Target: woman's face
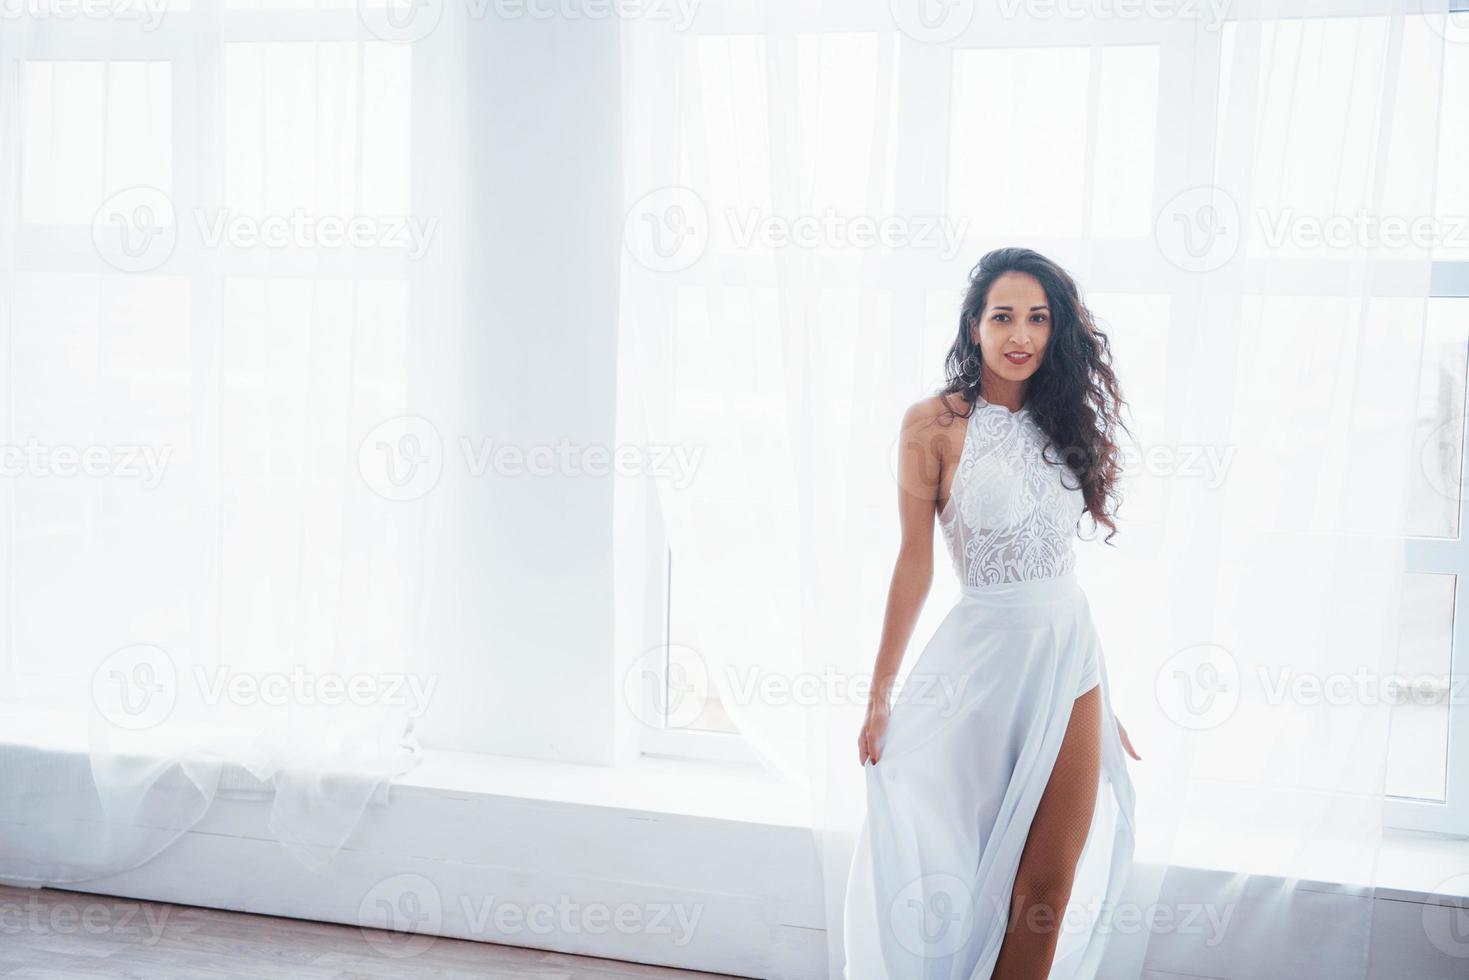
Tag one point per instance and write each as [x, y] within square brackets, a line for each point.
[1014, 328]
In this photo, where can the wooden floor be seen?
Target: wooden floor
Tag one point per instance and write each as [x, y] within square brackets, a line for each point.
[51, 935]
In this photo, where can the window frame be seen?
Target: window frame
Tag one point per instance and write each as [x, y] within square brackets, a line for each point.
[1448, 555]
[680, 743]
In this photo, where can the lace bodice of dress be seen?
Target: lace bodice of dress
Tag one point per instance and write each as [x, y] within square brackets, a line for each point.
[1011, 514]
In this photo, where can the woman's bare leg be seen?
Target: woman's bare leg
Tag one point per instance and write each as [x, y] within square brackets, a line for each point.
[1057, 836]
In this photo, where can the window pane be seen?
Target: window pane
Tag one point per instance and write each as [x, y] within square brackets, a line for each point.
[1418, 746]
[1437, 476]
[718, 402]
[684, 633]
[120, 531]
[295, 135]
[90, 130]
[305, 367]
[1287, 408]
[1122, 174]
[1137, 324]
[1324, 113]
[838, 111]
[1038, 98]
[1453, 149]
[723, 126]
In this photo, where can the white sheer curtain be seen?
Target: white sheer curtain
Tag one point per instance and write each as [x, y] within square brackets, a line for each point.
[228, 270]
[808, 185]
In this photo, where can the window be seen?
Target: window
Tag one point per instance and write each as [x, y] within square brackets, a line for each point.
[1428, 775]
[201, 318]
[1108, 210]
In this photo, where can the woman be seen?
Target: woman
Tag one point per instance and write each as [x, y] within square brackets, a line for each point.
[998, 791]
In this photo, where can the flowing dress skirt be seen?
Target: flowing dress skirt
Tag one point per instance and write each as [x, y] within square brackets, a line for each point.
[970, 744]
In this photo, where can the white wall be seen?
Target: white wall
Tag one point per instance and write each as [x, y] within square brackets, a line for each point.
[526, 563]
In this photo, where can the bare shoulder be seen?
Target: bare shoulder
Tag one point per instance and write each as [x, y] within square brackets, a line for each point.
[936, 412]
[933, 428]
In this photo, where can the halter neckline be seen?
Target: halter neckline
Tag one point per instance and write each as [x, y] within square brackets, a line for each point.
[980, 402]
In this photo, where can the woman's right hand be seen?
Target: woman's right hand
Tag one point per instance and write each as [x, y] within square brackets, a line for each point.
[874, 726]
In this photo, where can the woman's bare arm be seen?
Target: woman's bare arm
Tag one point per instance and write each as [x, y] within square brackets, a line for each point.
[920, 464]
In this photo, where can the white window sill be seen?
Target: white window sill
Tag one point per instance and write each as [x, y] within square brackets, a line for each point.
[695, 788]
[1416, 867]
[1409, 866]
[1406, 865]
[712, 790]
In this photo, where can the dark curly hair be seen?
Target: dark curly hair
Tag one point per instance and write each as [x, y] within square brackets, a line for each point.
[1073, 396]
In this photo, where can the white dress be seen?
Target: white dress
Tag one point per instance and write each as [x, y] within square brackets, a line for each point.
[975, 730]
